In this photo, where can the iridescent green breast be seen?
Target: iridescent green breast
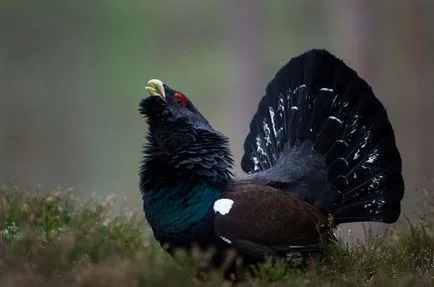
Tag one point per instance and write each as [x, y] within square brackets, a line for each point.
[181, 214]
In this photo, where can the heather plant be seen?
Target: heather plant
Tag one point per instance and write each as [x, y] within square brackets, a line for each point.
[57, 239]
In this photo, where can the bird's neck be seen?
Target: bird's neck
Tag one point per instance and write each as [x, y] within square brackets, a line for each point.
[204, 158]
[180, 214]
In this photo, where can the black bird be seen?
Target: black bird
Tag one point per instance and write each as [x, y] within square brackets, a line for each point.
[320, 146]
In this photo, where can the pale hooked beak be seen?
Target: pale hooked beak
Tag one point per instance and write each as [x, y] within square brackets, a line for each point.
[155, 88]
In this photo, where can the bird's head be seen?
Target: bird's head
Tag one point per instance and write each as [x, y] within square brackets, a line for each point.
[166, 107]
[180, 136]
[174, 122]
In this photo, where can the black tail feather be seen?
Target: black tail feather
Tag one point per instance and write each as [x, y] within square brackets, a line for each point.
[328, 135]
[316, 101]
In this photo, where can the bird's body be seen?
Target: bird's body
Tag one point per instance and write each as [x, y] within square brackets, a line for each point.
[320, 146]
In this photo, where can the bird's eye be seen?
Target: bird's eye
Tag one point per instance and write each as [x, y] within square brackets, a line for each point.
[181, 99]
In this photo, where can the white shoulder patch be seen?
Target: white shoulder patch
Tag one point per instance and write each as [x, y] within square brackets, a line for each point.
[223, 205]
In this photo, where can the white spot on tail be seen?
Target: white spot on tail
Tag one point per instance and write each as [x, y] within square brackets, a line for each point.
[267, 132]
[356, 155]
[372, 158]
[225, 239]
[256, 163]
[273, 124]
[223, 206]
[336, 119]
[299, 87]
[326, 90]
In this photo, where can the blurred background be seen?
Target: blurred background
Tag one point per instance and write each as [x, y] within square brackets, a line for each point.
[72, 74]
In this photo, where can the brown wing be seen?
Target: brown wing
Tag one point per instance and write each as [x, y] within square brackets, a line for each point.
[263, 220]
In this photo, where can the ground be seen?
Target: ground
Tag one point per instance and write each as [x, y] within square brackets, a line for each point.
[56, 239]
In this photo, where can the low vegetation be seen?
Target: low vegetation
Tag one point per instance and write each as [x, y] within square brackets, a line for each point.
[55, 239]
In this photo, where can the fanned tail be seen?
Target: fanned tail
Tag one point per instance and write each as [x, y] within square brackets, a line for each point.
[320, 132]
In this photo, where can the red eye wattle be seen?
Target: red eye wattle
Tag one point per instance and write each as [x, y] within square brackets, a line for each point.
[182, 99]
